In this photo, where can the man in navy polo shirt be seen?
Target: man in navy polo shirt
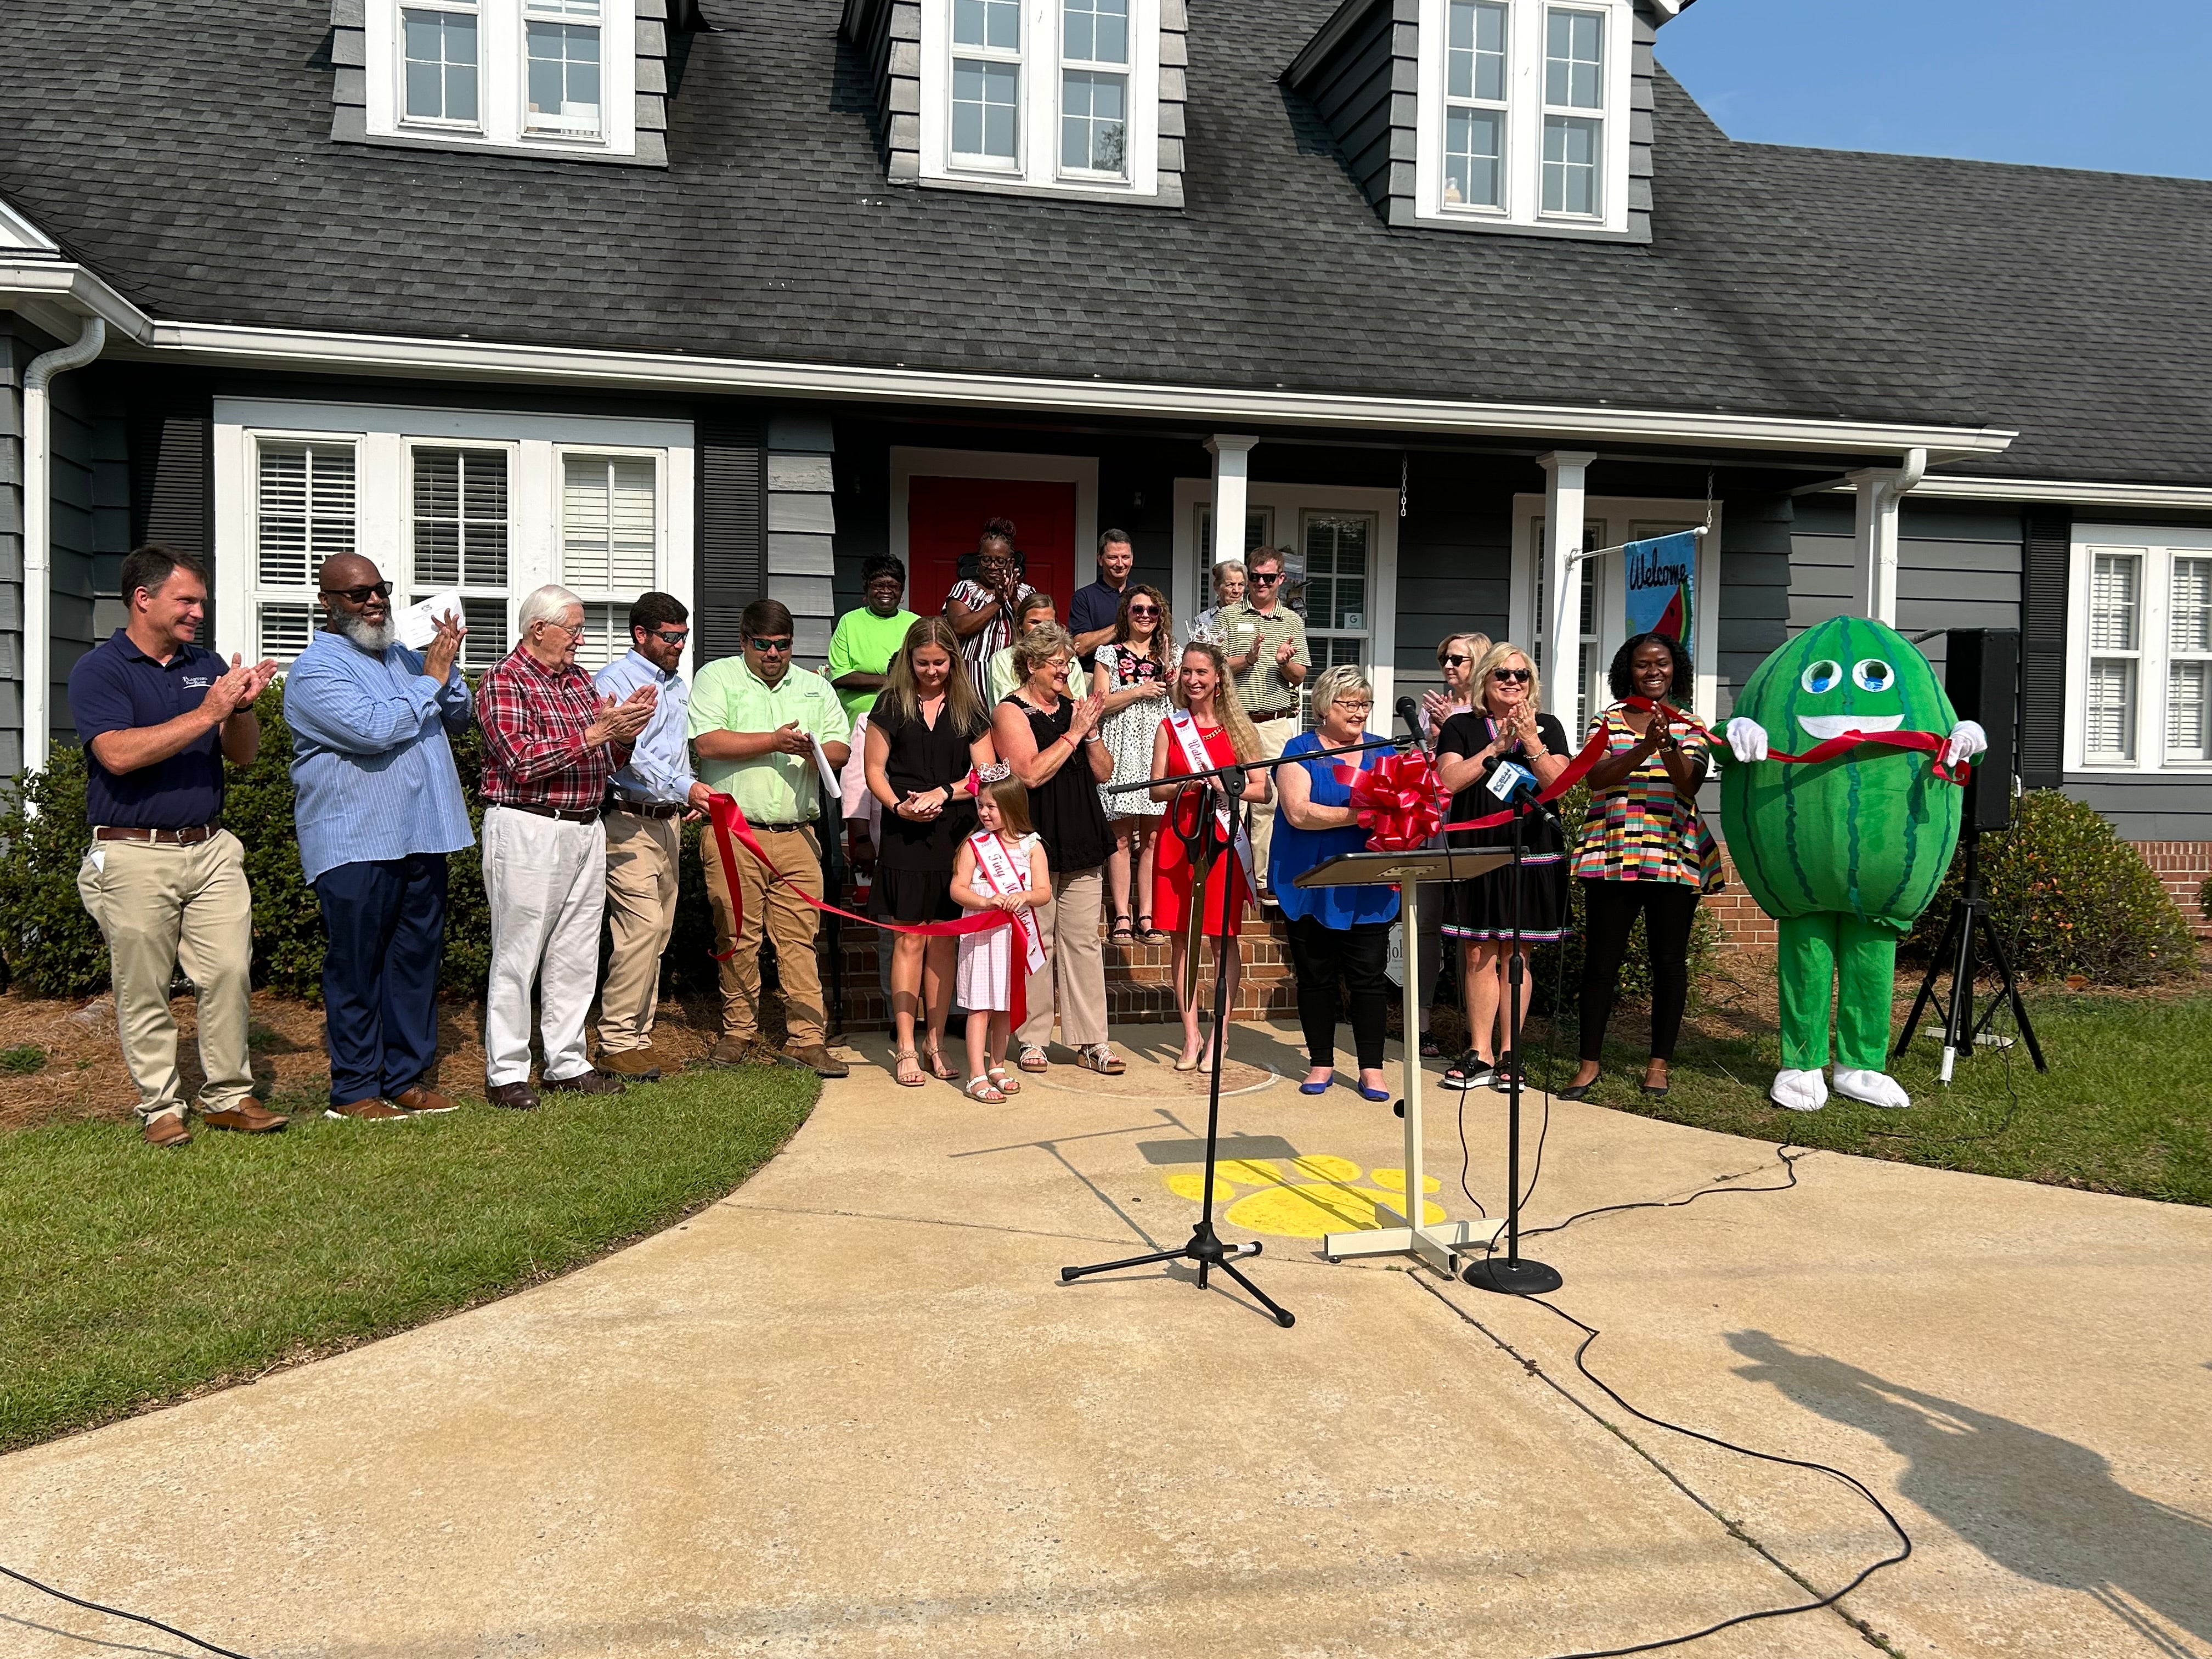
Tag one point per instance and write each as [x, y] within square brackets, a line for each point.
[164, 879]
[1092, 612]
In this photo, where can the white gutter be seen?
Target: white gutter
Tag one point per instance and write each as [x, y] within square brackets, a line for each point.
[2187, 498]
[1224, 406]
[33, 284]
[38, 534]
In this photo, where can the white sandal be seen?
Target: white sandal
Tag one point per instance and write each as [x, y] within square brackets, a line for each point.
[981, 1091]
[1004, 1080]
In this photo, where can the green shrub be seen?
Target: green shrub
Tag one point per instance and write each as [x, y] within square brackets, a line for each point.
[50, 946]
[2068, 896]
[1559, 967]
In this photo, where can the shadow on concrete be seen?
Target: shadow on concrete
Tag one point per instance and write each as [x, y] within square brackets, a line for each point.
[2036, 1504]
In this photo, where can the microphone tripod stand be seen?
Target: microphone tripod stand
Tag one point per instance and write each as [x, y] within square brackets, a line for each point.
[1516, 1275]
[1217, 790]
[1969, 927]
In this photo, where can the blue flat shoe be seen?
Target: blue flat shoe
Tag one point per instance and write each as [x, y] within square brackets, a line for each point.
[1375, 1094]
[1320, 1088]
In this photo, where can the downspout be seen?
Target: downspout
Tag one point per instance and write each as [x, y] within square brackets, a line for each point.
[38, 535]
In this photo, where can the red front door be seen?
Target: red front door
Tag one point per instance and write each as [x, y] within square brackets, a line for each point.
[945, 517]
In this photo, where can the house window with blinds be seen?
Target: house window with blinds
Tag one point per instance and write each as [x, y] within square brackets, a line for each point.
[2142, 687]
[1335, 594]
[306, 508]
[459, 532]
[609, 544]
[2108, 727]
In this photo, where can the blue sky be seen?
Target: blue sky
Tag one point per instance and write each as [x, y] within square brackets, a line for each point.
[2122, 85]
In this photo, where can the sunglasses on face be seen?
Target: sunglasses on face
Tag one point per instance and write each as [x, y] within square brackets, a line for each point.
[676, 638]
[1143, 611]
[1517, 675]
[1452, 660]
[1264, 579]
[361, 595]
[761, 644]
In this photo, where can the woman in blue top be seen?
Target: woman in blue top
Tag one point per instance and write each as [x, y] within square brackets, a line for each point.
[1335, 932]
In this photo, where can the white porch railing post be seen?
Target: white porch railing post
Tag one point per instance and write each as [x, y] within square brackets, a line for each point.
[1561, 622]
[1232, 457]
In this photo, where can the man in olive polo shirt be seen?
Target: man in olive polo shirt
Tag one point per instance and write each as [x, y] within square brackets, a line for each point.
[164, 879]
[1266, 651]
[755, 720]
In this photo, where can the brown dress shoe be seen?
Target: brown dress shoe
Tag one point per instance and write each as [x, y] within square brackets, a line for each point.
[420, 1100]
[584, 1083]
[825, 1063]
[515, 1096]
[633, 1063]
[735, 1051]
[168, 1130]
[367, 1111]
[248, 1116]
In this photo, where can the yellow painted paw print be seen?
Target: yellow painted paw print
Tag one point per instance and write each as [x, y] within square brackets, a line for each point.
[1303, 1197]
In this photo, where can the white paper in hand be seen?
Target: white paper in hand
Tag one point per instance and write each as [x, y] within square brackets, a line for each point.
[832, 788]
[417, 625]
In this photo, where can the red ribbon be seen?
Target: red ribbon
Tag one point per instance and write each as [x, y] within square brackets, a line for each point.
[1595, 750]
[726, 820]
[1398, 799]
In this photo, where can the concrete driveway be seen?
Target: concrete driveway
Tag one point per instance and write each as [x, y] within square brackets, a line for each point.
[851, 1410]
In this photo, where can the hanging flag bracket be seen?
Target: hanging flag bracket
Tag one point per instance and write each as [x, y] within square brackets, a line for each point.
[1578, 556]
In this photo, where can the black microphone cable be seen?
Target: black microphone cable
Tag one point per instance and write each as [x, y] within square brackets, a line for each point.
[118, 1613]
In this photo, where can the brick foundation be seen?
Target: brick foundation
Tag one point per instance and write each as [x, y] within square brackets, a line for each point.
[2182, 868]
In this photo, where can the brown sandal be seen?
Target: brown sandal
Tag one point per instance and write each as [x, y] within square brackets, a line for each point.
[899, 1062]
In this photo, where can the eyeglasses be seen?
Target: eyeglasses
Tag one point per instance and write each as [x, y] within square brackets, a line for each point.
[574, 630]
[1453, 660]
[1357, 705]
[758, 643]
[361, 595]
[1143, 611]
[1265, 581]
[1515, 674]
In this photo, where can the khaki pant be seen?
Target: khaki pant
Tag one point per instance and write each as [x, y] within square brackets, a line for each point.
[643, 858]
[789, 921]
[165, 908]
[1273, 736]
[1074, 961]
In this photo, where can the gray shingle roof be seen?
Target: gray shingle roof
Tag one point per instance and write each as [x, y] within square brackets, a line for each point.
[183, 155]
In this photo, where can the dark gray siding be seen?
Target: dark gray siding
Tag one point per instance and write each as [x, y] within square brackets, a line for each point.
[1455, 558]
[1958, 566]
[1756, 577]
[75, 542]
[2148, 809]
[1365, 93]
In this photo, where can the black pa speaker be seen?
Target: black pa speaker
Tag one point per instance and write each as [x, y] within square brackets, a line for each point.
[1982, 675]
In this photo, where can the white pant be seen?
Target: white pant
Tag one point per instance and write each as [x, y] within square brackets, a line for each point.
[546, 882]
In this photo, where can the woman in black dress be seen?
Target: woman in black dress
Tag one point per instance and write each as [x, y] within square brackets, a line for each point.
[1502, 726]
[1049, 736]
[928, 730]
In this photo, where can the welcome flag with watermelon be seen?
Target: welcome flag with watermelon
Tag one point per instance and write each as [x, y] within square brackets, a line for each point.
[1663, 573]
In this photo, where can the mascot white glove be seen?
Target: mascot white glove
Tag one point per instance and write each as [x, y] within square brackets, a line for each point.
[1748, 738]
[1966, 740]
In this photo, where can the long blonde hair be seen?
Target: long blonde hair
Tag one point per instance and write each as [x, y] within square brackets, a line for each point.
[1496, 657]
[961, 701]
[1243, 738]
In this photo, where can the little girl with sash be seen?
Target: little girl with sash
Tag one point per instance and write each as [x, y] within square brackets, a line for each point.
[1001, 867]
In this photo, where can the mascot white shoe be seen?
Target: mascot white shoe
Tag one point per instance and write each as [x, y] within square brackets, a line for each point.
[1872, 1088]
[1799, 1091]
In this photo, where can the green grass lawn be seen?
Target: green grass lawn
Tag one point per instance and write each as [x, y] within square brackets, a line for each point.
[2126, 1108]
[132, 1276]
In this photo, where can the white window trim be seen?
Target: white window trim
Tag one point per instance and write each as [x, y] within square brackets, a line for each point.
[501, 81]
[384, 436]
[1038, 142]
[1287, 502]
[1616, 513]
[1524, 122]
[2158, 544]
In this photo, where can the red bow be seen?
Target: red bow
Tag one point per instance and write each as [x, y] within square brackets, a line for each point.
[1398, 801]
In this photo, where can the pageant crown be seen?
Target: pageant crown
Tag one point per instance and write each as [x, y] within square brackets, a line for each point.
[1209, 632]
[993, 772]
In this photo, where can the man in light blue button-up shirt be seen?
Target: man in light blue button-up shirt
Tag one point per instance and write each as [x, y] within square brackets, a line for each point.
[645, 838]
[378, 806]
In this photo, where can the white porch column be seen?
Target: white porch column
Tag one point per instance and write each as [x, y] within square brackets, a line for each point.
[1561, 623]
[1232, 459]
[1878, 489]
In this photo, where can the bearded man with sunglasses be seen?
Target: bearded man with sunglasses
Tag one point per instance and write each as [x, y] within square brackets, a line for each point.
[755, 721]
[378, 805]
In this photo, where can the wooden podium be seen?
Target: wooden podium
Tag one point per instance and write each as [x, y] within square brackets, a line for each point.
[1438, 1244]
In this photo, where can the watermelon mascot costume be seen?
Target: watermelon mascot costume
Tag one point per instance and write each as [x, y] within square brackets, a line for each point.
[1844, 853]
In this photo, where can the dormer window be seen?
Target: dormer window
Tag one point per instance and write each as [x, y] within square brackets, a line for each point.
[1524, 114]
[555, 76]
[1061, 97]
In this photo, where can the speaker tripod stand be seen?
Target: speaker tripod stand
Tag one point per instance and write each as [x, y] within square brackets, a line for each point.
[1969, 926]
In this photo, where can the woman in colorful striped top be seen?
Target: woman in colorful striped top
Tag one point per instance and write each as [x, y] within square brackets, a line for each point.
[1642, 848]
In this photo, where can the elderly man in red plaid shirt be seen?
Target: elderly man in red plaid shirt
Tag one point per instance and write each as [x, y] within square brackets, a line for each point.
[550, 744]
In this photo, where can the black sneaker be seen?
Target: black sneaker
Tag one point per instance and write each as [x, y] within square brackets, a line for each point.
[1469, 1070]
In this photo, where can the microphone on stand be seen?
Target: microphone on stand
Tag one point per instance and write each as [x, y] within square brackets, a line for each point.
[1409, 711]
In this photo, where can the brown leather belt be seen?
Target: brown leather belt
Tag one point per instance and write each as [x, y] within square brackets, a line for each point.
[1255, 716]
[191, 836]
[646, 809]
[566, 814]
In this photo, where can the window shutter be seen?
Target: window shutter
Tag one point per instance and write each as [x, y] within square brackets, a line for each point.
[733, 530]
[2046, 554]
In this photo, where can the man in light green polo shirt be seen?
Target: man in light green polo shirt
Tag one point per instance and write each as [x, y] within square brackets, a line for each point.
[754, 720]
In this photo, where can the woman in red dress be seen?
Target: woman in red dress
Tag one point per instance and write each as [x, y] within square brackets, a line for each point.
[1208, 715]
